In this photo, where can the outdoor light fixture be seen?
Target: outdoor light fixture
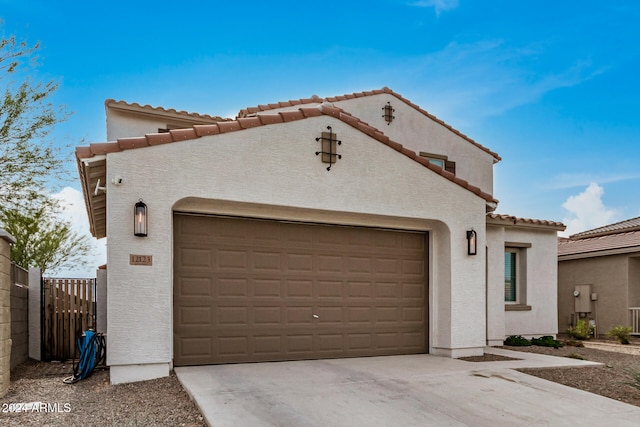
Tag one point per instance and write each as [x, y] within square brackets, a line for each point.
[140, 219]
[388, 113]
[472, 242]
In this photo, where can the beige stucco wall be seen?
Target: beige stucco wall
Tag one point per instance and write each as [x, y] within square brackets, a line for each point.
[419, 133]
[609, 276]
[541, 283]
[128, 123]
[276, 167]
[495, 285]
[634, 281]
[5, 311]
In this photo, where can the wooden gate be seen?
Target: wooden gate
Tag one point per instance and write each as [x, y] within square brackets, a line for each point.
[68, 307]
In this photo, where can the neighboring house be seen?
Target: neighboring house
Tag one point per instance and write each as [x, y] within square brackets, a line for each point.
[599, 277]
[357, 225]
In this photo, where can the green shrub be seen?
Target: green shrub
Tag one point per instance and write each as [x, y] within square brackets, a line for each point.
[621, 333]
[582, 330]
[546, 341]
[517, 341]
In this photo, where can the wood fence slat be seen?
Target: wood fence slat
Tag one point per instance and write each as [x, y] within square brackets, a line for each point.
[57, 337]
[90, 305]
[68, 312]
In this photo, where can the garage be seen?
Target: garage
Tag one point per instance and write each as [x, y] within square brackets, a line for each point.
[251, 290]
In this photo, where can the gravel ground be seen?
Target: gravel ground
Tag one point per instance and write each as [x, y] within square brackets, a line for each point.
[163, 402]
[611, 380]
[94, 401]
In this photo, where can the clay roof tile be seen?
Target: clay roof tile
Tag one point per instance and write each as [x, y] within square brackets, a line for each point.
[204, 130]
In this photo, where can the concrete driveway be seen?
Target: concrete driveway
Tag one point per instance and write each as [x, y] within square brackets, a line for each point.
[415, 390]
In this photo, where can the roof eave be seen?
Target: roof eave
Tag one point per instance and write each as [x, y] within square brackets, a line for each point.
[599, 253]
[93, 171]
[517, 223]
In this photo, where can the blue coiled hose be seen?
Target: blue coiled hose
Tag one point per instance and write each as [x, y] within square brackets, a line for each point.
[91, 347]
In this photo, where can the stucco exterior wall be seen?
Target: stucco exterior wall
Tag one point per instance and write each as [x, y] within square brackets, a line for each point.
[495, 286]
[276, 166]
[608, 277]
[420, 133]
[123, 124]
[541, 283]
[542, 280]
[634, 281]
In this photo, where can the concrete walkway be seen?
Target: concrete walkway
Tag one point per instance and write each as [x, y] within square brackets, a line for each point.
[414, 390]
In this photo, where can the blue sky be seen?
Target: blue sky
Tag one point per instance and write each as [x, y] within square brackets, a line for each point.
[550, 86]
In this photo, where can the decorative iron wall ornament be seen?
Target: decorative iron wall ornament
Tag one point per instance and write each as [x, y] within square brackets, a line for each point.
[329, 147]
[388, 113]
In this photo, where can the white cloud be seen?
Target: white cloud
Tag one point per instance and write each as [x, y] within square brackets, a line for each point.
[75, 212]
[570, 180]
[438, 5]
[587, 211]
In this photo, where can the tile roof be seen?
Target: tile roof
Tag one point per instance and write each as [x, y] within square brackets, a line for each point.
[619, 227]
[510, 219]
[187, 115]
[622, 242]
[198, 131]
[316, 99]
[90, 177]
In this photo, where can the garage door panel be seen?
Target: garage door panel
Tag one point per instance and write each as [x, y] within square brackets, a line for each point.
[267, 346]
[359, 265]
[195, 315]
[191, 258]
[299, 315]
[300, 343]
[195, 287]
[265, 290]
[413, 291]
[267, 316]
[359, 290]
[329, 289]
[299, 288]
[229, 287]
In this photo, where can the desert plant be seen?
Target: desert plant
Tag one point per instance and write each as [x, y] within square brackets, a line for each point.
[582, 330]
[517, 341]
[621, 333]
[635, 379]
[546, 341]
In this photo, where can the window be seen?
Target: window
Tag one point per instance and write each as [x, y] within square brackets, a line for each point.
[515, 276]
[437, 162]
[440, 161]
[510, 276]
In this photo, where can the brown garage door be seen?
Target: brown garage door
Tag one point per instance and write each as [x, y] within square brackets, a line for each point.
[253, 290]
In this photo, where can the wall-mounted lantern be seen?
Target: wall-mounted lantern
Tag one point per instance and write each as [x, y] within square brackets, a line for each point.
[472, 242]
[140, 220]
[388, 113]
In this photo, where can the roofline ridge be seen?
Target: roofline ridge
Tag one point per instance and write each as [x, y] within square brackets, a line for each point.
[593, 233]
[111, 102]
[198, 131]
[384, 89]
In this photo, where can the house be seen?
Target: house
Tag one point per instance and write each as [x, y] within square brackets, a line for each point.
[354, 225]
[599, 277]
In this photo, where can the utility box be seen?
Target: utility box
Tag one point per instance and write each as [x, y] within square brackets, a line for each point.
[582, 299]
